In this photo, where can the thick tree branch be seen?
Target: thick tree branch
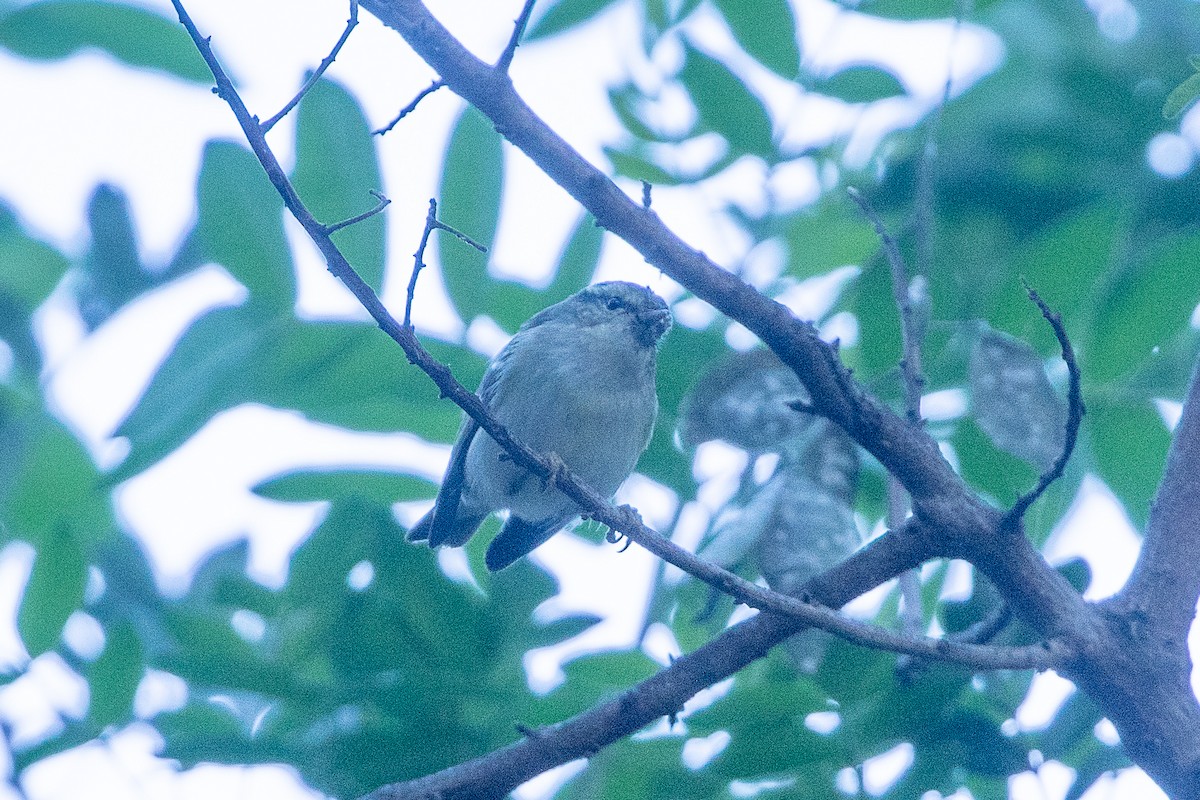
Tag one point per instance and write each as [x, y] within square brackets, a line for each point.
[1160, 598]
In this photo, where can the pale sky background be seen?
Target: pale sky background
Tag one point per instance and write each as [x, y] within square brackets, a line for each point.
[97, 120]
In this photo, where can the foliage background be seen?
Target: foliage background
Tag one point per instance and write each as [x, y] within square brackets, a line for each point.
[364, 663]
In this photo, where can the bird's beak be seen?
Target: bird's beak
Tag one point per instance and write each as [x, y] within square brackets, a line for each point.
[653, 325]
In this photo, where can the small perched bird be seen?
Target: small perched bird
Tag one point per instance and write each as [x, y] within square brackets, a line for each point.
[576, 381]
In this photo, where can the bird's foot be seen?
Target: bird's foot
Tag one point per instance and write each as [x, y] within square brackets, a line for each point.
[558, 470]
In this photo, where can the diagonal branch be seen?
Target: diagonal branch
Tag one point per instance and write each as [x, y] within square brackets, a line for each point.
[326, 62]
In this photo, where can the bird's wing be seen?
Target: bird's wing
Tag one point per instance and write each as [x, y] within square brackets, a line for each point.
[446, 523]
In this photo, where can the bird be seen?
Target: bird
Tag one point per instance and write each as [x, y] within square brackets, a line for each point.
[577, 384]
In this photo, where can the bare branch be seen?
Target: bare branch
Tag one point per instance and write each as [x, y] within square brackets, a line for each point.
[316, 76]
[411, 107]
[910, 328]
[514, 41]
[1075, 412]
[357, 218]
[432, 223]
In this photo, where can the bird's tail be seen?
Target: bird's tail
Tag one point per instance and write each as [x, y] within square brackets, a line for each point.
[517, 538]
[453, 532]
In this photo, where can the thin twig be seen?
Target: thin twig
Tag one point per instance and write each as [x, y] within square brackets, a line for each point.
[383, 203]
[910, 329]
[1075, 412]
[594, 506]
[316, 76]
[411, 107]
[432, 223]
[510, 49]
[646, 195]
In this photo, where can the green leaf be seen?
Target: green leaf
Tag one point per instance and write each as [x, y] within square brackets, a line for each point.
[727, 106]
[1129, 443]
[56, 29]
[378, 487]
[336, 167]
[826, 236]
[766, 30]
[1145, 309]
[993, 472]
[114, 677]
[513, 303]
[56, 486]
[197, 380]
[915, 9]
[472, 183]
[564, 15]
[1182, 96]
[240, 226]
[860, 84]
[29, 269]
[578, 262]
[638, 168]
[54, 591]
[344, 374]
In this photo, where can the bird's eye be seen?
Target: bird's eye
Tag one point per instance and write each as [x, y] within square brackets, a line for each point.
[614, 303]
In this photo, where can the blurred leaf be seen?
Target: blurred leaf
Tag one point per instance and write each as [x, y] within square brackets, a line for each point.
[56, 487]
[743, 400]
[336, 168]
[914, 9]
[726, 105]
[513, 303]
[112, 269]
[767, 31]
[54, 591]
[240, 226]
[1144, 308]
[648, 769]
[992, 472]
[55, 29]
[564, 15]
[628, 103]
[29, 271]
[374, 486]
[860, 84]
[1013, 400]
[114, 677]
[1182, 96]
[344, 374]
[1129, 444]
[828, 235]
[471, 187]
[636, 167]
